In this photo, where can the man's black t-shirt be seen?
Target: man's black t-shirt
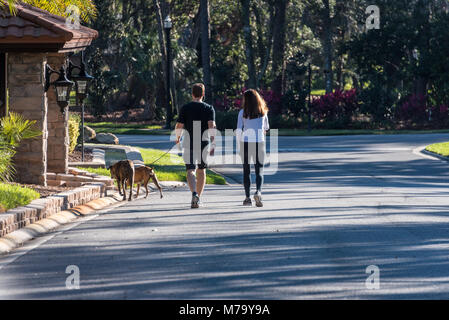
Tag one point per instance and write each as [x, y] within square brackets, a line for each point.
[200, 113]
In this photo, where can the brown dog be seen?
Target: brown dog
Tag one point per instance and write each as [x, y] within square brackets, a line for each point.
[142, 176]
[123, 172]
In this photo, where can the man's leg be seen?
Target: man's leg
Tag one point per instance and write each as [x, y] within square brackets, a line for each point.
[191, 180]
[200, 181]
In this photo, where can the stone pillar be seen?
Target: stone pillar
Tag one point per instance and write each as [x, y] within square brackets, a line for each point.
[27, 97]
[58, 124]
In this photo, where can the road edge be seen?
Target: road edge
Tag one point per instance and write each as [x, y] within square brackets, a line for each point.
[421, 151]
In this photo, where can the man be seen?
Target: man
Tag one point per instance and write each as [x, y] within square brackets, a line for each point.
[197, 121]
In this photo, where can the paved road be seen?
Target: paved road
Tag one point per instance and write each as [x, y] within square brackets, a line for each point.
[336, 206]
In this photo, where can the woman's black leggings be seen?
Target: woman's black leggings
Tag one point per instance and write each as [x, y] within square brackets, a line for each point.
[253, 153]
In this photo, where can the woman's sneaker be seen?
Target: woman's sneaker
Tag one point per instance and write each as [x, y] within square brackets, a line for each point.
[247, 202]
[258, 199]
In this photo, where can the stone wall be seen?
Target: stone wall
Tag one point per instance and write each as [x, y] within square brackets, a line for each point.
[58, 132]
[39, 209]
[27, 97]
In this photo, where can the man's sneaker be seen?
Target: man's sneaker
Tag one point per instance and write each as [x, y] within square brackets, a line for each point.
[195, 201]
[258, 199]
[247, 202]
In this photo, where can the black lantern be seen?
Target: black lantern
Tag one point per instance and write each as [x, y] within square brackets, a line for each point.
[63, 86]
[82, 79]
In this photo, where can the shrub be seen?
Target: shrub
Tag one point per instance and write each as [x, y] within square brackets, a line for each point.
[278, 121]
[227, 120]
[440, 114]
[12, 196]
[74, 131]
[13, 129]
[414, 109]
[337, 107]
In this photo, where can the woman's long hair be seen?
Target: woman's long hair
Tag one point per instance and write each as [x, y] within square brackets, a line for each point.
[254, 106]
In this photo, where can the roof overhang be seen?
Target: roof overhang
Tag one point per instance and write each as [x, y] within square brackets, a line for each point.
[36, 30]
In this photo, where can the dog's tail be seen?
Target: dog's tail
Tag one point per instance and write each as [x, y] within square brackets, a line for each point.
[156, 182]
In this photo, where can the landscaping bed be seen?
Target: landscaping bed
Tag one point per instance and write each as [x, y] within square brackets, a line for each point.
[76, 156]
[42, 190]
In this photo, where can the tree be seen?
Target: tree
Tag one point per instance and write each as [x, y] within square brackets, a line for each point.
[249, 51]
[205, 48]
[279, 37]
[162, 47]
[327, 47]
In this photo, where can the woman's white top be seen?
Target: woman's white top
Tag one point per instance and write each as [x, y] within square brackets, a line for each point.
[251, 130]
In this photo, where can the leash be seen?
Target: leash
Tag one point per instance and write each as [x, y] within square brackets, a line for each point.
[163, 155]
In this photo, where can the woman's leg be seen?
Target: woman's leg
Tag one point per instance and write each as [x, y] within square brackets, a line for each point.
[259, 166]
[246, 170]
[259, 176]
[247, 179]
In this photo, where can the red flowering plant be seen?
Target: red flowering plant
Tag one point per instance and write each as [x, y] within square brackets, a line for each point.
[414, 109]
[336, 107]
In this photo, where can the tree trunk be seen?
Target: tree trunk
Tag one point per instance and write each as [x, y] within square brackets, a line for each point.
[279, 37]
[160, 31]
[249, 51]
[327, 47]
[191, 34]
[268, 47]
[205, 48]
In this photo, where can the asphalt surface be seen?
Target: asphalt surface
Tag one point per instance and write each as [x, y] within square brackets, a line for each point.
[335, 206]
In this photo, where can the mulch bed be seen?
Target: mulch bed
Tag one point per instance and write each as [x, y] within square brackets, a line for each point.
[75, 156]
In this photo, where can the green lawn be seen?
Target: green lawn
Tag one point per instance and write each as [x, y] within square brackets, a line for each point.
[131, 129]
[168, 168]
[13, 196]
[439, 148]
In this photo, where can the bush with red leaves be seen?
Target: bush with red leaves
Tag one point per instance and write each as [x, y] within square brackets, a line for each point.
[338, 106]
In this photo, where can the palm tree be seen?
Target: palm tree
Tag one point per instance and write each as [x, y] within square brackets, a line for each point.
[57, 7]
[14, 128]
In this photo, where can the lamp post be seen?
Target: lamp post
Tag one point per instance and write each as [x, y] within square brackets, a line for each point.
[168, 26]
[309, 109]
[82, 80]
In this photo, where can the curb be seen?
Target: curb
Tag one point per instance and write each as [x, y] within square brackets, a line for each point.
[229, 181]
[428, 154]
[17, 238]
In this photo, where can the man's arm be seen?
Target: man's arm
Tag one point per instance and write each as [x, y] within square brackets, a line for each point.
[178, 131]
[212, 133]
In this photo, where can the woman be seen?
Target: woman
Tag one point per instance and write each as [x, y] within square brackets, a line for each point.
[252, 127]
